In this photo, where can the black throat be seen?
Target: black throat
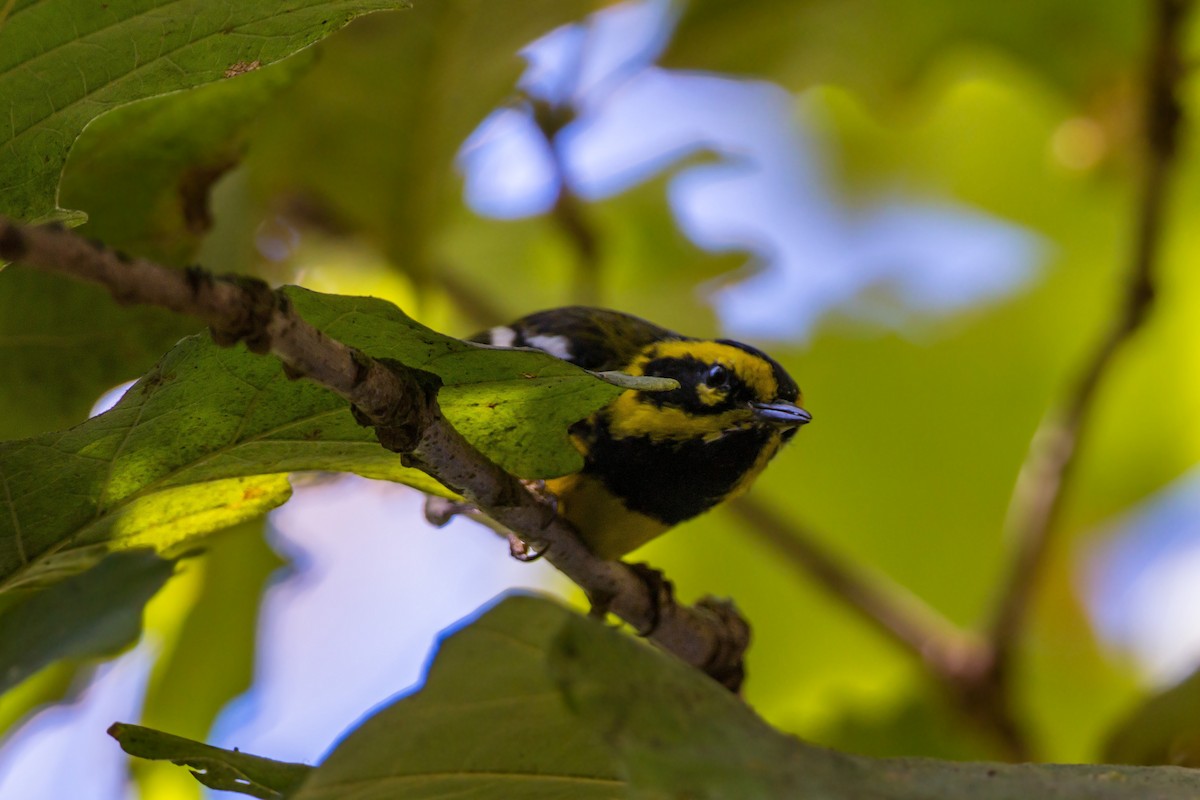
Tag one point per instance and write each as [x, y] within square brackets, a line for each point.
[668, 480]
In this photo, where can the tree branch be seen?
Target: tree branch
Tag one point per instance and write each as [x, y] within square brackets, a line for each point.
[401, 404]
[1038, 496]
[956, 659]
[950, 653]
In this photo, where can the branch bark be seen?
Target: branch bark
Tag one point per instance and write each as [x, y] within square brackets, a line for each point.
[401, 404]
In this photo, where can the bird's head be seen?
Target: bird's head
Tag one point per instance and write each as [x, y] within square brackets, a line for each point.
[724, 386]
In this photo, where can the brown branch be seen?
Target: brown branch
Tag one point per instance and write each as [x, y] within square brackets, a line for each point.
[401, 404]
[956, 659]
[1037, 499]
[949, 652]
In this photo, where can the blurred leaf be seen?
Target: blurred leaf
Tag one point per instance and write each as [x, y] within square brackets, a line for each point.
[64, 62]
[97, 612]
[1164, 730]
[203, 440]
[487, 723]
[161, 156]
[226, 770]
[881, 47]
[923, 722]
[378, 124]
[212, 660]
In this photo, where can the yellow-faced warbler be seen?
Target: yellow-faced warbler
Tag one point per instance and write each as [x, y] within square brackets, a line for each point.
[655, 459]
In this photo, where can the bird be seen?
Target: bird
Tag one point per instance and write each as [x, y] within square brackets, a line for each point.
[653, 459]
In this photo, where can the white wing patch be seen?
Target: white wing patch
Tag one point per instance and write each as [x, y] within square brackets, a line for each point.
[557, 346]
[502, 336]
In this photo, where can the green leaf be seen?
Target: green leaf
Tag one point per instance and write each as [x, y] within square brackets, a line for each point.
[205, 439]
[65, 62]
[534, 701]
[514, 405]
[678, 734]
[97, 612]
[487, 723]
[227, 770]
[1164, 730]
[161, 157]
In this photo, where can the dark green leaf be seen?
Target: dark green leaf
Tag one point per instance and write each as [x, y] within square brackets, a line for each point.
[94, 613]
[491, 722]
[140, 172]
[679, 734]
[227, 770]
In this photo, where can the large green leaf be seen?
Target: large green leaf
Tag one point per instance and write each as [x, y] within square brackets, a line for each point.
[535, 701]
[65, 62]
[203, 441]
[676, 733]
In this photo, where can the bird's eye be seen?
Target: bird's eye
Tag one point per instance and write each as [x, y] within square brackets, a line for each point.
[718, 376]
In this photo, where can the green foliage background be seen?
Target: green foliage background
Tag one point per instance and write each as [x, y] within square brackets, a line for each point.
[919, 437]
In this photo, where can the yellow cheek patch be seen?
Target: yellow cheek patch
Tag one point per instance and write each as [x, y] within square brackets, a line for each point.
[630, 417]
[710, 396]
[752, 370]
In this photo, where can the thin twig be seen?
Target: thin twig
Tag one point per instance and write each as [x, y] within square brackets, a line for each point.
[1037, 499]
[401, 404]
[949, 652]
[957, 660]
